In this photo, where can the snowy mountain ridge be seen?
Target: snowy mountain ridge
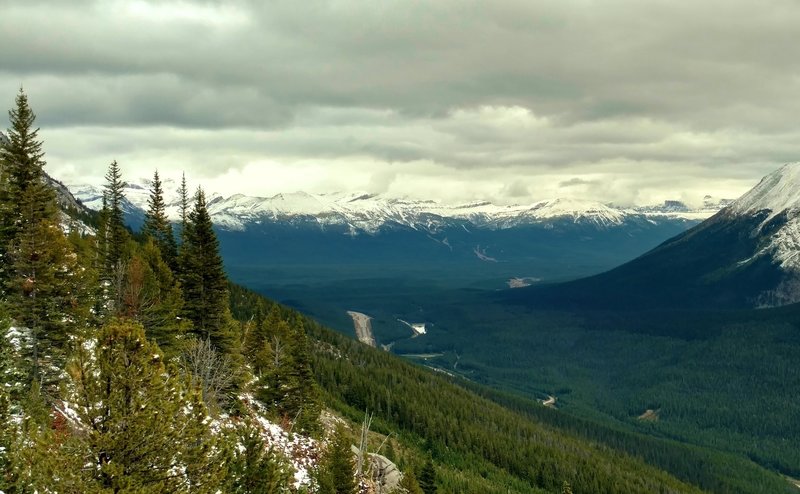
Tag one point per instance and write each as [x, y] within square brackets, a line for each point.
[776, 194]
[368, 213]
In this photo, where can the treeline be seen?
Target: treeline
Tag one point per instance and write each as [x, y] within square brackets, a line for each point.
[122, 368]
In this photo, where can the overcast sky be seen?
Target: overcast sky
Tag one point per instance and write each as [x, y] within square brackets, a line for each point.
[624, 101]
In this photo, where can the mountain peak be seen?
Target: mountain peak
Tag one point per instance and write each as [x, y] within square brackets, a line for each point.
[777, 192]
[578, 209]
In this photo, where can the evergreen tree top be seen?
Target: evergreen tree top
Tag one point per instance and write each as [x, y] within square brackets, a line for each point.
[22, 158]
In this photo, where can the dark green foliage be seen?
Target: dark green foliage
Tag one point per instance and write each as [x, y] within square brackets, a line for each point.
[609, 367]
[40, 458]
[257, 469]
[138, 420]
[409, 483]
[478, 446]
[151, 296]
[204, 283]
[279, 351]
[427, 477]
[7, 429]
[41, 272]
[44, 280]
[184, 198]
[157, 225]
[21, 163]
[114, 229]
[337, 475]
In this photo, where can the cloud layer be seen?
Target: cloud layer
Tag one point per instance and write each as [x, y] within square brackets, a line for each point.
[623, 101]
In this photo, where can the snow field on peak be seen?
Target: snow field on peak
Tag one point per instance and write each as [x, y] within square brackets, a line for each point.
[778, 191]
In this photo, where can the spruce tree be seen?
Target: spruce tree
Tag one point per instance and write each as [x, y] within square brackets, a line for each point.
[409, 483]
[427, 477]
[279, 352]
[151, 296]
[21, 164]
[157, 225]
[45, 282]
[338, 466]
[42, 277]
[116, 235]
[184, 198]
[302, 396]
[204, 283]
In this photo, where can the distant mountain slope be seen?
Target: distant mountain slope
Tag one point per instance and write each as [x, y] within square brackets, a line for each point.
[744, 256]
[74, 214]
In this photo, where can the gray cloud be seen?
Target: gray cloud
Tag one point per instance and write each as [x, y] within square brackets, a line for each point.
[646, 99]
[575, 181]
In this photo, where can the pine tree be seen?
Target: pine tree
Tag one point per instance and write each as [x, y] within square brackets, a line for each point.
[427, 477]
[157, 225]
[256, 469]
[40, 457]
[204, 283]
[337, 474]
[139, 422]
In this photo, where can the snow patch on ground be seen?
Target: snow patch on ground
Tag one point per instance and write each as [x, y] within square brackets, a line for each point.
[302, 452]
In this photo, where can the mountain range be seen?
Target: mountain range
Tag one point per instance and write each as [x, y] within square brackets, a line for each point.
[370, 233]
[746, 255]
[366, 213]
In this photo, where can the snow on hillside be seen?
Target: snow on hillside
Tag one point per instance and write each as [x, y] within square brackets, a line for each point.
[363, 212]
[777, 192]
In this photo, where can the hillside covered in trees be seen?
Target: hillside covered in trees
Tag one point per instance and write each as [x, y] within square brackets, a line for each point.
[130, 364]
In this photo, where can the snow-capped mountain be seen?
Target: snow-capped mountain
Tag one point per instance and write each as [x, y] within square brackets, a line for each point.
[370, 233]
[746, 255]
[367, 213]
[777, 199]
